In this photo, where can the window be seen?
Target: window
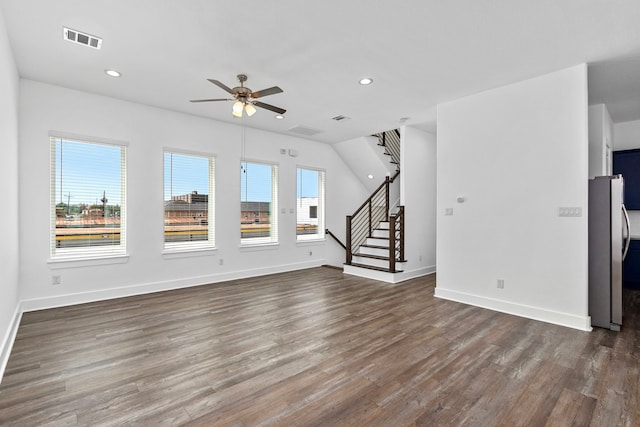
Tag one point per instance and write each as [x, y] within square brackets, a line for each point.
[258, 203]
[88, 198]
[310, 204]
[188, 201]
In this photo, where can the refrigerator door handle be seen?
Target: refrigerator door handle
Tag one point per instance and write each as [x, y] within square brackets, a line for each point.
[628, 224]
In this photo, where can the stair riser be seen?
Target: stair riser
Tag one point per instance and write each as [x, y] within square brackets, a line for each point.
[383, 234]
[377, 242]
[375, 262]
[374, 251]
[370, 261]
[372, 274]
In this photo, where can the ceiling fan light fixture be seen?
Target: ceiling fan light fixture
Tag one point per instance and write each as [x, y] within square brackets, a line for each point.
[245, 99]
[250, 109]
[237, 108]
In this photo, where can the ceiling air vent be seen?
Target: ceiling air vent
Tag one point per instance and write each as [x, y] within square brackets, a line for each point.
[340, 117]
[81, 38]
[304, 130]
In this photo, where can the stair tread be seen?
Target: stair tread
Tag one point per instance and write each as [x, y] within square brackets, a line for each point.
[380, 257]
[374, 246]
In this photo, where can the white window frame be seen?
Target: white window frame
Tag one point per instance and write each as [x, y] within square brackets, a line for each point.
[87, 252]
[203, 245]
[320, 211]
[272, 239]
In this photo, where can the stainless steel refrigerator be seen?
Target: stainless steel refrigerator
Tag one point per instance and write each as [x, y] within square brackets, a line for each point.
[608, 245]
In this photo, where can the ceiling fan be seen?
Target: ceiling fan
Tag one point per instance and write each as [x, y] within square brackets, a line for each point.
[245, 98]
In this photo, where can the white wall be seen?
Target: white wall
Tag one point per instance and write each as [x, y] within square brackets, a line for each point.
[147, 130]
[364, 157]
[627, 135]
[418, 195]
[516, 154]
[600, 141]
[9, 291]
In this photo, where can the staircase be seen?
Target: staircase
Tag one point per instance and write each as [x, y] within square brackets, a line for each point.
[390, 141]
[384, 249]
[375, 231]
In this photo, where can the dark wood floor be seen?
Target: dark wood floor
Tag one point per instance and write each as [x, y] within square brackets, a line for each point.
[315, 347]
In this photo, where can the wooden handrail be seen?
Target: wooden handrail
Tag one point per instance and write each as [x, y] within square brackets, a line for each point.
[390, 181]
[327, 231]
[366, 202]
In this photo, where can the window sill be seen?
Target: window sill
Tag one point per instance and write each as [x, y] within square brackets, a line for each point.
[311, 242]
[86, 261]
[177, 253]
[259, 247]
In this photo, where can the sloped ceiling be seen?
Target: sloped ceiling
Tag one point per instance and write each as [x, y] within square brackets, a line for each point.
[419, 53]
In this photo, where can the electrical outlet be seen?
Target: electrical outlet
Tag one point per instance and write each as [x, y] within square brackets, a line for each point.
[500, 284]
[221, 261]
[55, 280]
[310, 253]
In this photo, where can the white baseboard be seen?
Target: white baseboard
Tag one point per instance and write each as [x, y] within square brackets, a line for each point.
[9, 338]
[106, 294]
[418, 272]
[535, 313]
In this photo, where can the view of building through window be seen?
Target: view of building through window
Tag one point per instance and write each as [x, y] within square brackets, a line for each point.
[88, 200]
[88, 197]
[188, 200]
[309, 204]
[258, 203]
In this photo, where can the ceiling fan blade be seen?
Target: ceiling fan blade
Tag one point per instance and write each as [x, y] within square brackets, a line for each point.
[221, 85]
[270, 107]
[210, 100]
[265, 92]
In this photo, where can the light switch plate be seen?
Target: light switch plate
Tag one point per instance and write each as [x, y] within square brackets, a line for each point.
[570, 211]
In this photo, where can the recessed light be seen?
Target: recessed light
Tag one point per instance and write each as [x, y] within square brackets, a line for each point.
[113, 73]
[370, 176]
[279, 116]
[366, 81]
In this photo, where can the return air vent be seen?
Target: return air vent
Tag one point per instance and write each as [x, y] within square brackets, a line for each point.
[304, 130]
[81, 38]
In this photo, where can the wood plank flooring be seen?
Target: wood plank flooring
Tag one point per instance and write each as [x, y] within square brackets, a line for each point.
[315, 348]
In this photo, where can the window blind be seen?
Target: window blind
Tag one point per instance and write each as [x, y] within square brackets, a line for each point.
[88, 198]
[189, 185]
[258, 203]
[310, 204]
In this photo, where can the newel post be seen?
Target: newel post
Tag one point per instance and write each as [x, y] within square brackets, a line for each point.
[349, 255]
[392, 243]
[386, 197]
[401, 214]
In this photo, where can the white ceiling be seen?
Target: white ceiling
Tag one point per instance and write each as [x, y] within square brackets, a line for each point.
[419, 53]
